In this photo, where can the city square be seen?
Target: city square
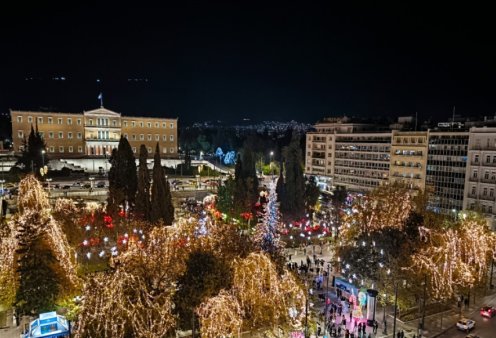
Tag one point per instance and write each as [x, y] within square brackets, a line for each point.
[222, 171]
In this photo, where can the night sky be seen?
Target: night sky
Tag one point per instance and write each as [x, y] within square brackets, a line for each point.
[222, 60]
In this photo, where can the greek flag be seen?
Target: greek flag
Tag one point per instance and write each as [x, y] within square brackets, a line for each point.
[100, 96]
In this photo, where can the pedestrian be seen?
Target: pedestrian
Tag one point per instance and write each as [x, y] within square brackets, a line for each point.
[344, 321]
[290, 257]
[364, 327]
[351, 316]
[398, 334]
[376, 326]
[318, 330]
[359, 327]
[339, 330]
[370, 336]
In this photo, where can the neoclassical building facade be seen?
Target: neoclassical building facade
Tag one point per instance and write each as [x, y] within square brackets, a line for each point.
[94, 133]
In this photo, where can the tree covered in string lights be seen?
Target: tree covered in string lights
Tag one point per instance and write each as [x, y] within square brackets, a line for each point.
[267, 236]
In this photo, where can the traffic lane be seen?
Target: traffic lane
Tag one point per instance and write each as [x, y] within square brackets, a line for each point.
[484, 327]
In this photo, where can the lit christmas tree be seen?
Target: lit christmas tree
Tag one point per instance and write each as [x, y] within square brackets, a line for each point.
[267, 236]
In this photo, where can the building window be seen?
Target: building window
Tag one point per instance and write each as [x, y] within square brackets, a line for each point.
[134, 137]
[142, 137]
[40, 120]
[61, 149]
[52, 149]
[69, 121]
[79, 122]
[157, 125]
[171, 138]
[19, 119]
[125, 123]
[133, 124]
[125, 136]
[476, 158]
[50, 120]
[21, 148]
[80, 149]
[171, 150]
[30, 119]
[149, 137]
[79, 135]
[61, 134]
[50, 134]
[164, 125]
[473, 190]
[164, 150]
[90, 122]
[484, 192]
[164, 138]
[149, 124]
[134, 150]
[70, 149]
[20, 134]
[490, 209]
[474, 174]
[69, 135]
[491, 192]
[157, 137]
[42, 134]
[486, 175]
[114, 123]
[149, 150]
[141, 124]
[59, 120]
[172, 125]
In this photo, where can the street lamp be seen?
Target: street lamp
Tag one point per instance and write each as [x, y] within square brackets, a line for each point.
[271, 170]
[43, 157]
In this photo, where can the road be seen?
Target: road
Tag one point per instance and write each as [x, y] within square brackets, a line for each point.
[484, 327]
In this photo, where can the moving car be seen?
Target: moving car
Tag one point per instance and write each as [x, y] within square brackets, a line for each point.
[465, 324]
[487, 311]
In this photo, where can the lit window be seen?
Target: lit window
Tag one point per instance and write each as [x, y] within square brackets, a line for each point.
[19, 119]
[20, 134]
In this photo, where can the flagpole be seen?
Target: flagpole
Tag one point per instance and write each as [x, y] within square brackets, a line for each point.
[101, 100]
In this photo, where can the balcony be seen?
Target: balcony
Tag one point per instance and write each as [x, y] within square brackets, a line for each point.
[473, 179]
[486, 147]
[101, 126]
[319, 140]
[488, 180]
[111, 139]
[486, 197]
[471, 195]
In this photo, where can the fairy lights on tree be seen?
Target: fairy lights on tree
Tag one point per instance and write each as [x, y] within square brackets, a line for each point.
[220, 316]
[267, 236]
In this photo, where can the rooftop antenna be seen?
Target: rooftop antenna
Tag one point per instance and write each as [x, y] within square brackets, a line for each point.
[453, 119]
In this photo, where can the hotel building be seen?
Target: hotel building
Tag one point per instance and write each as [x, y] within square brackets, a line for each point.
[94, 133]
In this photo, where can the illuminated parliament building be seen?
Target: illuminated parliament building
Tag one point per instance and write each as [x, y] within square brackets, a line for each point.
[94, 133]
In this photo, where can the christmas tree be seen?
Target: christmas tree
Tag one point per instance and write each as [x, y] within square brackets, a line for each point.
[267, 236]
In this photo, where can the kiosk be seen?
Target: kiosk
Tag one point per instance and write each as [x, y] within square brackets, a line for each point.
[48, 325]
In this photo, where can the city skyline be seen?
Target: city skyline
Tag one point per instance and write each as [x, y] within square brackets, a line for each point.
[226, 62]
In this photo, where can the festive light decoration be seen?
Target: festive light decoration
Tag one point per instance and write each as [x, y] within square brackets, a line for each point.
[455, 258]
[220, 316]
[266, 299]
[267, 236]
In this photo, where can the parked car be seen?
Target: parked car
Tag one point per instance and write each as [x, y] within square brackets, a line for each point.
[66, 187]
[465, 324]
[100, 184]
[87, 186]
[487, 311]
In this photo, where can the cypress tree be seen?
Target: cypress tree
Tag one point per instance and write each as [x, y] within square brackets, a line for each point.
[32, 155]
[143, 204]
[293, 202]
[123, 180]
[161, 203]
[280, 184]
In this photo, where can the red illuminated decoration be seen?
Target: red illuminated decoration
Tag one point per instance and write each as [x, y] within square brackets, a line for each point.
[107, 220]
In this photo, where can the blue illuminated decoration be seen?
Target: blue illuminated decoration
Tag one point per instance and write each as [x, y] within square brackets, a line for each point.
[219, 153]
[230, 158]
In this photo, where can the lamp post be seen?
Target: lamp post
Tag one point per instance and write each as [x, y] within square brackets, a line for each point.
[326, 295]
[395, 307]
[271, 170]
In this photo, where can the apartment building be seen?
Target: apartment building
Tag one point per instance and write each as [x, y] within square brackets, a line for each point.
[94, 133]
[446, 167]
[409, 158]
[480, 180]
[361, 161]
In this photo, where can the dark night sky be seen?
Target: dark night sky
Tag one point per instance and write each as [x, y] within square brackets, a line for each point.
[222, 60]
